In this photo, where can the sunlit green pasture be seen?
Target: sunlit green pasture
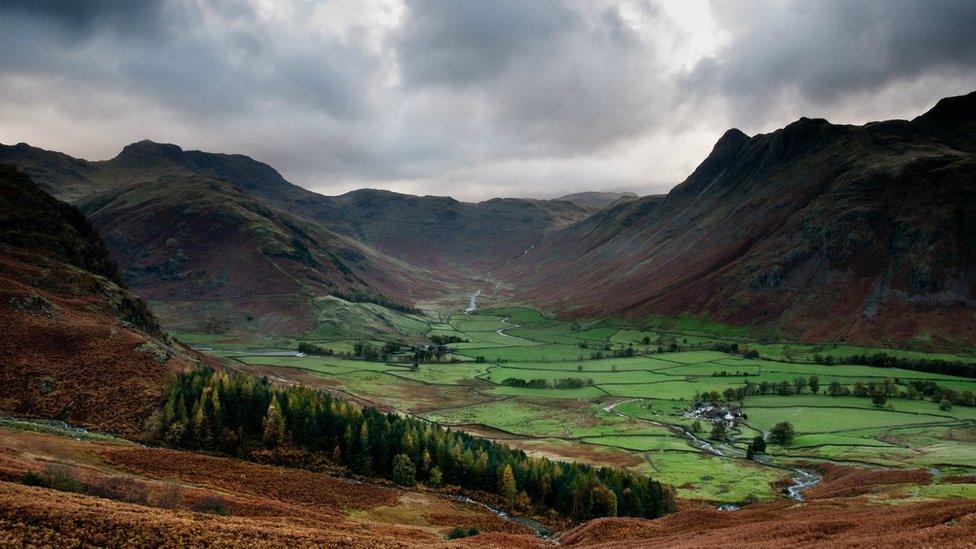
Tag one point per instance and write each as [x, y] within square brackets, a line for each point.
[628, 403]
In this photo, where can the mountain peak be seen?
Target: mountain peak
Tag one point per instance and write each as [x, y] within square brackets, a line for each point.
[732, 135]
[149, 151]
[960, 107]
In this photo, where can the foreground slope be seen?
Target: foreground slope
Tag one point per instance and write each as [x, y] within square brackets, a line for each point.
[76, 345]
[818, 231]
[113, 493]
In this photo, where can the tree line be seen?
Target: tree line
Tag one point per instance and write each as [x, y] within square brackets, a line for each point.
[248, 417]
[359, 296]
[884, 360]
[561, 383]
[878, 391]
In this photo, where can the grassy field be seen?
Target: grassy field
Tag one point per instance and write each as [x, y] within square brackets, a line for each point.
[638, 382]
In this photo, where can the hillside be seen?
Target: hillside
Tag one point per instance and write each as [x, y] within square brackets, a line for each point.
[442, 233]
[595, 199]
[77, 345]
[817, 231]
[212, 258]
[431, 231]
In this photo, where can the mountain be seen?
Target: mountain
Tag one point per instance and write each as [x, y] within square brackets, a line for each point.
[212, 258]
[439, 232]
[817, 231]
[595, 199]
[223, 243]
[77, 345]
[73, 179]
[431, 231]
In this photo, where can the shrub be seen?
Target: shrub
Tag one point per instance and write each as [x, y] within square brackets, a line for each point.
[404, 472]
[31, 478]
[62, 478]
[782, 433]
[436, 477]
[758, 444]
[457, 532]
[120, 489]
[211, 504]
[170, 497]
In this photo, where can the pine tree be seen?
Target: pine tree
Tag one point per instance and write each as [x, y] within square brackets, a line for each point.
[506, 485]
[274, 426]
[436, 478]
[404, 471]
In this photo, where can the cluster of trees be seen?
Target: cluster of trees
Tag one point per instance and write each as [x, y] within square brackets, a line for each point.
[367, 351]
[734, 349]
[360, 296]
[796, 387]
[248, 417]
[430, 353]
[737, 373]
[562, 383]
[313, 349]
[879, 392]
[884, 360]
[446, 339]
[916, 389]
[738, 394]
[361, 349]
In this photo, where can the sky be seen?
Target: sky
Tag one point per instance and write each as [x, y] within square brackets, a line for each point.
[468, 98]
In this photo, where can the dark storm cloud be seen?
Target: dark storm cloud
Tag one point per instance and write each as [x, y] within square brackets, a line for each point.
[825, 51]
[554, 77]
[467, 42]
[468, 97]
[83, 17]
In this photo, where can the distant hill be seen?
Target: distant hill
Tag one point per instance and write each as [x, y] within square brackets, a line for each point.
[440, 232]
[76, 344]
[212, 258]
[818, 231]
[223, 243]
[596, 199]
[431, 231]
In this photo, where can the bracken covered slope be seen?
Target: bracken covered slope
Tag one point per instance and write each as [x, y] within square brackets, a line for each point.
[819, 231]
[223, 243]
[212, 258]
[76, 344]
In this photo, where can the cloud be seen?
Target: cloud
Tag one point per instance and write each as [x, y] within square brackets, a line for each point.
[466, 97]
[784, 55]
[83, 18]
[545, 77]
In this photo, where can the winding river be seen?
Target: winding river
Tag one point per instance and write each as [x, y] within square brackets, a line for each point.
[802, 478]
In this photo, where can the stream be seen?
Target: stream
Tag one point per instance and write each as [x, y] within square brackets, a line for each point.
[802, 478]
[540, 529]
[473, 303]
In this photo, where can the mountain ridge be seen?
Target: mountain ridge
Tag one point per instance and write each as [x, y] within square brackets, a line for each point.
[789, 230]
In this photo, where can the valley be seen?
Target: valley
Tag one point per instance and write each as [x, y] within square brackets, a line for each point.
[783, 341]
[636, 385]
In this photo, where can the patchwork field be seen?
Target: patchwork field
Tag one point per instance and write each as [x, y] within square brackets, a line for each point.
[615, 394]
